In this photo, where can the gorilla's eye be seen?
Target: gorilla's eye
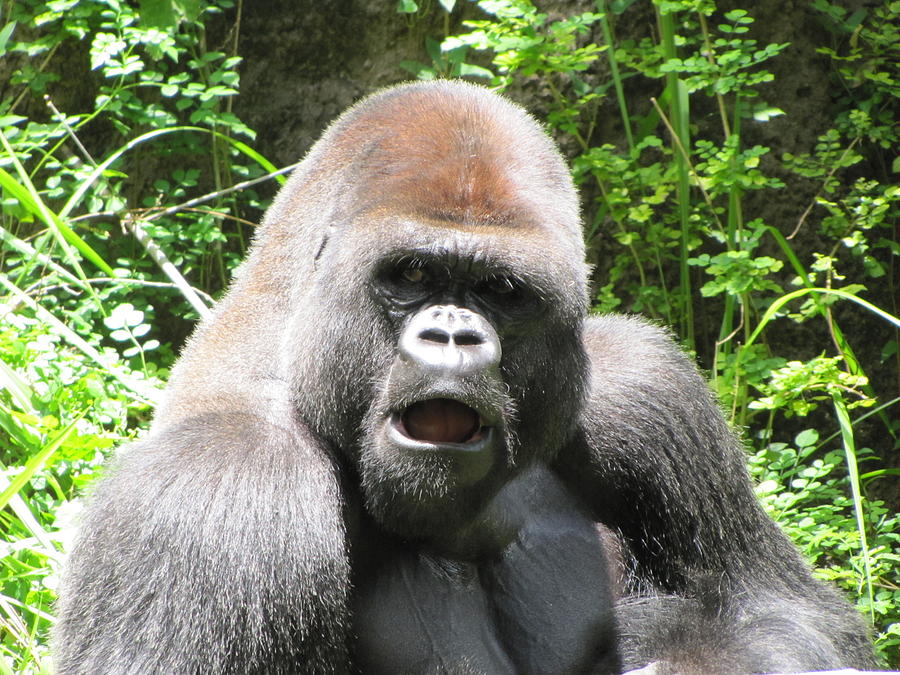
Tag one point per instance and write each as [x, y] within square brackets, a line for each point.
[500, 285]
[414, 275]
[506, 294]
[405, 281]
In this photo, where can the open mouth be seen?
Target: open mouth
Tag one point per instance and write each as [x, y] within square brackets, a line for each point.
[441, 420]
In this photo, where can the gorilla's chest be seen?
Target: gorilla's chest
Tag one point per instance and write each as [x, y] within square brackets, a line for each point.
[542, 605]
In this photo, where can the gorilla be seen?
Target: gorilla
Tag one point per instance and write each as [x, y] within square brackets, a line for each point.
[401, 446]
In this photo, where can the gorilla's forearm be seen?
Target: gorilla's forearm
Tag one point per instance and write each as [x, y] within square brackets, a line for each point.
[711, 583]
[217, 542]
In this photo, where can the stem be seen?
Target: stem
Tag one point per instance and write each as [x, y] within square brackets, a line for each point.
[614, 70]
[708, 50]
[840, 409]
[679, 112]
[631, 248]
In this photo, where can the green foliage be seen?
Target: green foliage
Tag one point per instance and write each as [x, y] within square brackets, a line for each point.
[61, 413]
[865, 52]
[736, 272]
[669, 196]
[91, 203]
[799, 386]
[527, 43]
[721, 65]
[805, 491]
[143, 78]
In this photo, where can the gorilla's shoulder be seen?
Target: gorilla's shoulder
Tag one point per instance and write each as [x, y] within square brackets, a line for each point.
[626, 338]
[634, 360]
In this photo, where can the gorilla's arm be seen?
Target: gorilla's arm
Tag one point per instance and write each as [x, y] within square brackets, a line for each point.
[711, 582]
[215, 546]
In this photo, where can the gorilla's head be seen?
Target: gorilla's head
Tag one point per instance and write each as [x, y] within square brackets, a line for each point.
[442, 299]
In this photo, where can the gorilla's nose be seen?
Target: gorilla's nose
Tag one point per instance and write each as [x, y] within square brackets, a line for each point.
[452, 340]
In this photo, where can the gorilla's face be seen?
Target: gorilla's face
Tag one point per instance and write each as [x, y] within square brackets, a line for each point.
[440, 437]
[483, 377]
[453, 272]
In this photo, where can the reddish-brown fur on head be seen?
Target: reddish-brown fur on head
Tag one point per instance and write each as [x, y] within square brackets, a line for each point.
[453, 154]
[445, 151]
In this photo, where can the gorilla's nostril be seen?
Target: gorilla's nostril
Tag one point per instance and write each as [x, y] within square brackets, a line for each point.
[468, 338]
[435, 335]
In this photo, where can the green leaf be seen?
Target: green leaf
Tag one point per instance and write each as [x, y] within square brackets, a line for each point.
[806, 438]
[168, 13]
[765, 113]
[467, 69]
[37, 460]
[5, 33]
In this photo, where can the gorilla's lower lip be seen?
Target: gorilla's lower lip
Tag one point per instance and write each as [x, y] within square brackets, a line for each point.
[462, 463]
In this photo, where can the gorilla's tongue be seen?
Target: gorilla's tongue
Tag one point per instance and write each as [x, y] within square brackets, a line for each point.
[441, 420]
